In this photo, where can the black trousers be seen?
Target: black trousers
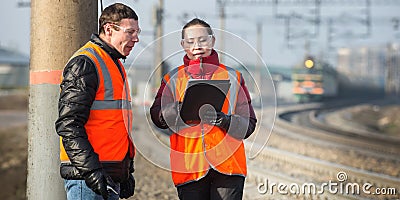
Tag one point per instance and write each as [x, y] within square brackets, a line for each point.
[214, 186]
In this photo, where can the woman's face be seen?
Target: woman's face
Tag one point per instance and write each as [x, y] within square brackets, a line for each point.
[197, 42]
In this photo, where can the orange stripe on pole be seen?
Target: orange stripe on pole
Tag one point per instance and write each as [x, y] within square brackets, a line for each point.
[45, 77]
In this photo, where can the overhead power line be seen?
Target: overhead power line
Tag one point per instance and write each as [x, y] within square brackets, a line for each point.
[311, 2]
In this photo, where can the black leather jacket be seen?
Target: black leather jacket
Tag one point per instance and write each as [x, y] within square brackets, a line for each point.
[78, 91]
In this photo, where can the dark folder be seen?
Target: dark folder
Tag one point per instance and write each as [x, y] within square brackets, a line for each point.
[200, 92]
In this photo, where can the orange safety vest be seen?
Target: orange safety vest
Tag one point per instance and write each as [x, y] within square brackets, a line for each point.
[110, 120]
[195, 149]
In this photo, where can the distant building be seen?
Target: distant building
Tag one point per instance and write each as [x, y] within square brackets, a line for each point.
[363, 66]
[392, 83]
[14, 69]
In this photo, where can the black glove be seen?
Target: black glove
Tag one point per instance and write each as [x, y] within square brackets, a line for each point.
[97, 180]
[169, 112]
[219, 119]
[127, 188]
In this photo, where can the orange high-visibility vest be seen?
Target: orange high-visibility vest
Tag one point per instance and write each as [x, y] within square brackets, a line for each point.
[195, 149]
[110, 120]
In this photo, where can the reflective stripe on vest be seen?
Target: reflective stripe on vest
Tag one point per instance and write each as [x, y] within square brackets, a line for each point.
[110, 119]
[195, 149]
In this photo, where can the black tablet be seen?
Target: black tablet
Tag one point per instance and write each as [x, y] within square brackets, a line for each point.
[200, 92]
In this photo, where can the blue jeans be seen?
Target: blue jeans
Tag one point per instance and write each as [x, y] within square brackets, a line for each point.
[78, 190]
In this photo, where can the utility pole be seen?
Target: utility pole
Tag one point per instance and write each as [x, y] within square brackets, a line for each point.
[159, 49]
[58, 29]
[259, 64]
[221, 38]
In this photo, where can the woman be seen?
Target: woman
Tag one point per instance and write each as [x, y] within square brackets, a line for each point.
[208, 158]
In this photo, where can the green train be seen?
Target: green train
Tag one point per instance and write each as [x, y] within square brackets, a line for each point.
[313, 80]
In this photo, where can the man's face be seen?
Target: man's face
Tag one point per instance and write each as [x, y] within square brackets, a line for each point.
[197, 42]
[125, 35]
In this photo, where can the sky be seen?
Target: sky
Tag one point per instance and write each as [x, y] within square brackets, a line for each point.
[240, 33]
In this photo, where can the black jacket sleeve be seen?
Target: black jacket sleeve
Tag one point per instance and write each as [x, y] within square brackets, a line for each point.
[78, 90]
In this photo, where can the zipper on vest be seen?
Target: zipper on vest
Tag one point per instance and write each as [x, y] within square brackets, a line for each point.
[120, 69]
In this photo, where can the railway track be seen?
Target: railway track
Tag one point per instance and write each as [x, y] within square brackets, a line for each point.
[294, 168]
[384, 146]
[309, 125]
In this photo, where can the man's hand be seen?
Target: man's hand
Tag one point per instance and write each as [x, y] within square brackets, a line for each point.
[96, 180]
[127, 187]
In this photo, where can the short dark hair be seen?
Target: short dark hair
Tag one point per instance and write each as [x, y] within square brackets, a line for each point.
[197, 21]
[114, 14]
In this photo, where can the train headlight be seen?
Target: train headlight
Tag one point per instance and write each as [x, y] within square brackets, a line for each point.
[309, 63]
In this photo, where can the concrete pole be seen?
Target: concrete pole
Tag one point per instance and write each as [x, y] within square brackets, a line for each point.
[58, 29]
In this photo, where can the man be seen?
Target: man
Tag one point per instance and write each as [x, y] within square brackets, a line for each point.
[95, 116]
